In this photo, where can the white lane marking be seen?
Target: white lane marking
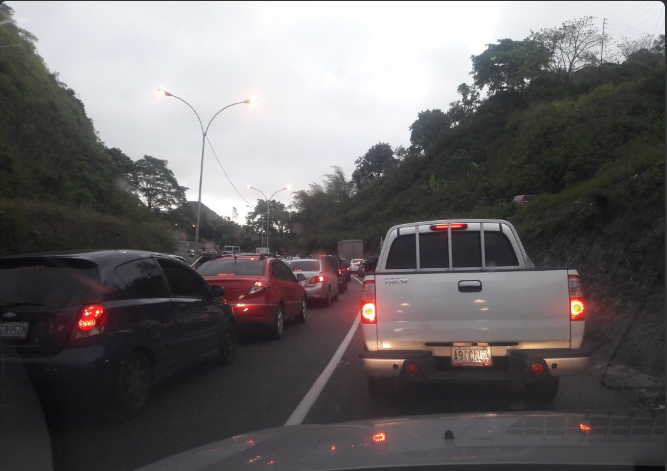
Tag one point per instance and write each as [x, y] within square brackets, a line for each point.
[309, 399]
[360, 282]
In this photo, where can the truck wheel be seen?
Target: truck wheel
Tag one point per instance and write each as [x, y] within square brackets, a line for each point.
[542, 392]
[380, 387]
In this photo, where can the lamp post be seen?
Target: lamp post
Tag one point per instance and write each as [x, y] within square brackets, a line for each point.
[288, 187]
[250, 101]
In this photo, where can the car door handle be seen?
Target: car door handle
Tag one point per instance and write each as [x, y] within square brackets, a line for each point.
[470, 286]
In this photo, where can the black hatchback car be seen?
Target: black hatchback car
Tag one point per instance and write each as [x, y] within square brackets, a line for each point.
[109, 324]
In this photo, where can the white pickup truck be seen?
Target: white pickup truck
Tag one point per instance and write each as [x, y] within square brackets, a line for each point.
[461, 302]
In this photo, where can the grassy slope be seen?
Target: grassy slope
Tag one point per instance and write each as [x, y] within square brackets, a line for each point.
[59, 187]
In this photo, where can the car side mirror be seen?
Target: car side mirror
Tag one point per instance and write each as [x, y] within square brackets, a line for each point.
[217, 291]
[300, 277]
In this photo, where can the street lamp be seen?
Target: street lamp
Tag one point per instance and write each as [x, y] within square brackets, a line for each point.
[250, 101]
[288, 187]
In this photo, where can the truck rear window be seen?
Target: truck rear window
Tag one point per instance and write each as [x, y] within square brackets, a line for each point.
[499, 251]
[402, 253]
[433, 252]
[466, 251]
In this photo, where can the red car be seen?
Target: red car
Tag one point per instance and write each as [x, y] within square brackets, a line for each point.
[262, 291]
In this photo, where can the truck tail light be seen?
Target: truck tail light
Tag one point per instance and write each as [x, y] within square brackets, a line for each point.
[368, 315]
[443, 227]
[577, 306]
[316, 279]
[91, 321]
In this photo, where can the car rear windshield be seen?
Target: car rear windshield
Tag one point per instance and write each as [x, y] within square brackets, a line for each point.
[303, 265]
[229, 266]
[35, 283]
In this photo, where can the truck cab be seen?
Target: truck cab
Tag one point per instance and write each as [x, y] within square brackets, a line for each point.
[461, 302]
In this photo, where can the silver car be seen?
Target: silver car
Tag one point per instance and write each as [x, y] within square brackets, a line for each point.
[321, 283]
[354, 264]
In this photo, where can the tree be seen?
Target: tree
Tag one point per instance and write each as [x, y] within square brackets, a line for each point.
[373, 164]
[121, 161]
[572, 46]
[427, 127]
[509, 65]
[156, 185]
[627, 47]
[336, 185]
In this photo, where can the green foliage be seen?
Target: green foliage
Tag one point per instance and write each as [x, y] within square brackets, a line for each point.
[509, 65]
[50, 152]
[426, 129]
[156, 185]
[373, 164]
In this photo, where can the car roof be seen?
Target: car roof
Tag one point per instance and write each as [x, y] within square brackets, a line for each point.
[97, 256]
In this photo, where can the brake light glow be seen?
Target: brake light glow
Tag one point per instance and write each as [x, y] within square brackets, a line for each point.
[368, 315]
[91, 321]
[584, 427]
[443, 227]
[316, 279]
[537, 368]
[577, 306]
[379, 437]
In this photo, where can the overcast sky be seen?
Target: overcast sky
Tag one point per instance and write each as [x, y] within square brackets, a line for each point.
[333, 79]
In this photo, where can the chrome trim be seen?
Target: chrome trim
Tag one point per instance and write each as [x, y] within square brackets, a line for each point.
[568, 366]
[381, 367]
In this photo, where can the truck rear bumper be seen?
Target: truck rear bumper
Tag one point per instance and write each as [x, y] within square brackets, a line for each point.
[515, 368]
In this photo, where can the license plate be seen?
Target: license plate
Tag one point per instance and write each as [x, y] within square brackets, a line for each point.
[13, 330]
[471, 356]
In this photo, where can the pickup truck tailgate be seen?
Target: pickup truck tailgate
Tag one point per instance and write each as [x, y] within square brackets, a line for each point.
[484, 306]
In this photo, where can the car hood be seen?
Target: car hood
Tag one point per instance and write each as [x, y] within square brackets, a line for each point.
[414, 442]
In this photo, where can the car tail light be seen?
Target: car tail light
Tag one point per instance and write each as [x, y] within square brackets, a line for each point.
[368, 302]
[340, 272]
[256, 288]
[91, 321]
[316, 279]
[576, 299]
[412, 369]
[537, 368]
[379, 437]
[443, 227]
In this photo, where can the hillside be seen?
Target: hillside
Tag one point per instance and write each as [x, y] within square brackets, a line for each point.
[592, 149]
[53, 165]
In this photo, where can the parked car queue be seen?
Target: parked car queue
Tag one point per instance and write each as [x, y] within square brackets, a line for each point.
[105, 326]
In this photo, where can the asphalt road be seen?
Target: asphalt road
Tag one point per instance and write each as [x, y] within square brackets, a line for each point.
[264, 387]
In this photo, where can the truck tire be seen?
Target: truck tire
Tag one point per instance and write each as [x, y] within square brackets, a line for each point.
[543, 392]
[380, 387]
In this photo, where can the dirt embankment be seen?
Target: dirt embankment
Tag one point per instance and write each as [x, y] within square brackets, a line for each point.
[619, 254]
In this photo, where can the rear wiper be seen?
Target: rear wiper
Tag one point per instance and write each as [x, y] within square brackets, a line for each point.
[9, 305]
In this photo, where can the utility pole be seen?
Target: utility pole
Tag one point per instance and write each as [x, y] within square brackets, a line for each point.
[604, 20]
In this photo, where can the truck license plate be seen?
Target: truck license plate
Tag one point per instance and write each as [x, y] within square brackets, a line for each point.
[13, 330]
[471, 356]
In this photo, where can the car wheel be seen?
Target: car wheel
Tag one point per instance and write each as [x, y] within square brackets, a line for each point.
[380, 387]
[228, 343]
[301, 317]
[335, 298]
[132, 387]
[543, 392]
[277, 330]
